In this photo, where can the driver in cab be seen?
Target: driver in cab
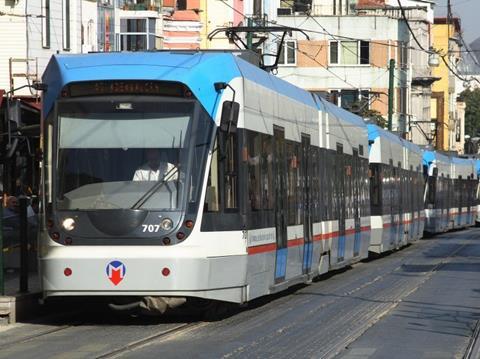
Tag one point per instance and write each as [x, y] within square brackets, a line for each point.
[156, 168]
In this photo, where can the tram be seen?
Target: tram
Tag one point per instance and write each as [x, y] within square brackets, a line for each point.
[168, 176]
[451, 192]
[396, 191]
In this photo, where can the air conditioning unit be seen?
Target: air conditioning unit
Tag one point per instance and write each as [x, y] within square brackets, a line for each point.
[284, 11]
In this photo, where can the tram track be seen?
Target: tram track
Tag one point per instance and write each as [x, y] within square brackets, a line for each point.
[264, 315]
[165, 334]
[36, 336]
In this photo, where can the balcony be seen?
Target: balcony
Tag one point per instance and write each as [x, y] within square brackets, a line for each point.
[129, 5]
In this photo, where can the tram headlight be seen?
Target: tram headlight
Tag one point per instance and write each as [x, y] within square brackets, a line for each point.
[68, 224]
[166, 224]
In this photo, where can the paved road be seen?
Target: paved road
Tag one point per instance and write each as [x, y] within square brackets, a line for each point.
[420, 302]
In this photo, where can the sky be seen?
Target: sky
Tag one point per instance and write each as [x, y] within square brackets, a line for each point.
[468, 11]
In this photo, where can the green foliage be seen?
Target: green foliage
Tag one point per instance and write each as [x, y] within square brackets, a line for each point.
[472, 111]
[374, 116]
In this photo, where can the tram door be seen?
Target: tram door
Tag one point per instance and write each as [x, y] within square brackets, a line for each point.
[280, 186]
[306, 168]
[356, 178]
[340, 184]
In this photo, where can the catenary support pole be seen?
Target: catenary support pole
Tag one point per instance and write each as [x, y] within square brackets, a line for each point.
[249, 34]
[390, 92]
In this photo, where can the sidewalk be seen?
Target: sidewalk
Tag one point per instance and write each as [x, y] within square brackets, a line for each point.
[15, 305]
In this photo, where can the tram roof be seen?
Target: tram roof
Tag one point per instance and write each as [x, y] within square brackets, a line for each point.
[375, 131]
[197, 70]
[339, 112]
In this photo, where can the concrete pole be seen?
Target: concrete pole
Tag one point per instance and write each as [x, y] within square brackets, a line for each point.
[391, 93]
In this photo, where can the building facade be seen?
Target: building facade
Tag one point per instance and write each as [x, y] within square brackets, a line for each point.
[31, 32]
[449, 117]
[347, 57]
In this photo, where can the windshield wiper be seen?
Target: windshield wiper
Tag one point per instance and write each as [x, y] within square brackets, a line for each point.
[168, 176]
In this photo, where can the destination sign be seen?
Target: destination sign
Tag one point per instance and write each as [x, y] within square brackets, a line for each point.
[98, 88]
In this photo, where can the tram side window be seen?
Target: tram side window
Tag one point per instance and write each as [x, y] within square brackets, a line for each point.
[431, 188]
[230, 173]
[348, 186]
[267, 172]
[333, 192]
[315, 191]
[254, 171]
[212, 201]
[292, 182]
[222, 191]
[375, 189]
[260, 171]
[48, 163]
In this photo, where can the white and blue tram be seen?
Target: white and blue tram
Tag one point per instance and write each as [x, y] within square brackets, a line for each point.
[396, 191]
[451, 193]
[173, 175]
[267, 186]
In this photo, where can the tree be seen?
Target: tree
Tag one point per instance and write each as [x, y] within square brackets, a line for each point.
[472, 111]
[374, 116]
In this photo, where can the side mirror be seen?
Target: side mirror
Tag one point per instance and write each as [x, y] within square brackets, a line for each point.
[229, 120]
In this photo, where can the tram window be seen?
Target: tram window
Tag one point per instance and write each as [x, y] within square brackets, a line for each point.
[230, 172]
[211, 196]
[431, 188]
[300, 180]
[48, 164]
[260, 171]
[292, 181]
[375, 189]
[315, 190]
[267, 172]
[254, 143]
[348, 186]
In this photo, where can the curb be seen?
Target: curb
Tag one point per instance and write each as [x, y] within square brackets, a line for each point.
[23, 306]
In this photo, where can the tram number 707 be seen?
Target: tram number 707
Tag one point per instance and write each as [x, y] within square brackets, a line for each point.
[150, 228]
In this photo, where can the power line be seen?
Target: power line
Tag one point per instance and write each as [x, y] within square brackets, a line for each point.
[402, 10]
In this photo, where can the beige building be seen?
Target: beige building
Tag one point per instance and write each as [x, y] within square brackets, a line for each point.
[347, 58]
[449, 115]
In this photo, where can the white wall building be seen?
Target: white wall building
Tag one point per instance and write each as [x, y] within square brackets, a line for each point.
[347, 59]
[31, 31]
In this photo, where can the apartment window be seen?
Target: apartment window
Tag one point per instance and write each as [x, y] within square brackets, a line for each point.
[402, 100]
[348, 98]
[46, 23]
[349, 53]
[181, 4]
[137, 34]
[288, 57]
[66, 24]
[403, 55]
[343, 7]
[352, 100]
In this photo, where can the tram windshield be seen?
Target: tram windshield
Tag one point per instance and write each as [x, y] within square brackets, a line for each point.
[130, 155]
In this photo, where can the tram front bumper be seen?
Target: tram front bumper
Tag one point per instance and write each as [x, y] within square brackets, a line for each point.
[142, 271]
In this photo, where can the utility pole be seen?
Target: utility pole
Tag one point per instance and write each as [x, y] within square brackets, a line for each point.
[390, 93]
[249, 35]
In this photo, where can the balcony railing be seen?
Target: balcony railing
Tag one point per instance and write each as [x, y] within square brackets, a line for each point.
[153, 5]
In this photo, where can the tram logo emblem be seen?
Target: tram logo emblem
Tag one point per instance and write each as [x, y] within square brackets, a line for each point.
[116, 271]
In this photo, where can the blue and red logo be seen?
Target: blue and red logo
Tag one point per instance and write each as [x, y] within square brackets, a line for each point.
[116, 271]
